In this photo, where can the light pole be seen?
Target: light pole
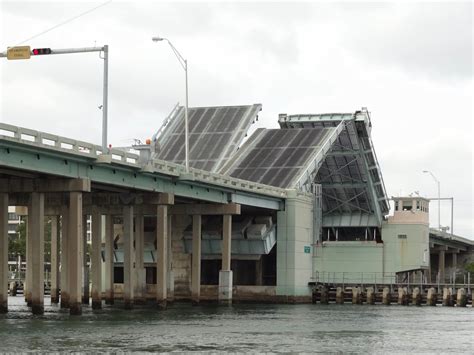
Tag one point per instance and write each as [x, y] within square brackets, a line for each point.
[439, 196]
[184, 64]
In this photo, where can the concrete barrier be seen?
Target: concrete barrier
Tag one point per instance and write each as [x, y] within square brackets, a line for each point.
[461, 299]
[431, 297]
[370, 295]
[339, 295]
[416, 296]
[402, 296]
[386, 296]
[356, 295]
[448, 297]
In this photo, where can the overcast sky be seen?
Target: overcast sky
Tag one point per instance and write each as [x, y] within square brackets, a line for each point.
[410, 64]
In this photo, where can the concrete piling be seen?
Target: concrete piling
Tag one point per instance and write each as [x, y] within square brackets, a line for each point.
[402, 296]
[3, 253]
[225, 275]
[196, 260]
[416, 296]
[386, 296]
[447, 297]
[324, 298]
[55, 228]
[461, 299]
[128, 270]
[356, 295]
[109, 259]
[162, 253]
[36, 219]
[339, 295]
[140, 272]
[74, 253]
[64, 279]
[431, 297]
[370, 295]
[96, 259]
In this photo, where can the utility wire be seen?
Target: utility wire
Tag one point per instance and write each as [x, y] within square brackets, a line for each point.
[67, 21]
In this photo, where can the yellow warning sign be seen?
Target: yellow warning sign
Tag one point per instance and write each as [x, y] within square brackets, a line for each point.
[22, 52]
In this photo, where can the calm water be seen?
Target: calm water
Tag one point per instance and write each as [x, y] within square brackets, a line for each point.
[242, 328]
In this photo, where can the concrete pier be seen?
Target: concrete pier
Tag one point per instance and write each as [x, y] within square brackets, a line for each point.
[356, 295]
[339, 295]
[170, 283]
[140, 282]
[416, 296]
[225, 275]
[96, 259]
[36, 219]
[431, 297]
[402, 296]
[370, 295]
[109, 259]
[55, 257]
[196, 260]
[447, 297]
[64, 279]
[161, 255]
[74, 253]
[461, 298]
[128, 272]
[3, 253]
[386, 296]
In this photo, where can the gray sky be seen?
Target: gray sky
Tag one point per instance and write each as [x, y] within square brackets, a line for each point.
[410, 64]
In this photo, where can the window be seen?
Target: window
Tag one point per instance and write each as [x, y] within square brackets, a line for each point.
[12, 216]
[396, 205]
[402, 236]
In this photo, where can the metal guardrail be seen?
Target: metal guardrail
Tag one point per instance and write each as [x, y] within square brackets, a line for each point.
[67, 145]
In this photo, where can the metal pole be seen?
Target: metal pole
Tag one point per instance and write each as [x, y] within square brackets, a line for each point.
[439, 205]
[105, 99]
[186, 128]
[452, 215]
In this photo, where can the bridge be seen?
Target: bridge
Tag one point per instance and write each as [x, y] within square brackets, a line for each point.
[244, 222]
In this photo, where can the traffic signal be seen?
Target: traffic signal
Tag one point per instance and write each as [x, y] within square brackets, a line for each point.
[41, 51]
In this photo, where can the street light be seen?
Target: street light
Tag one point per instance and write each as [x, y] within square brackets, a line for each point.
[184, 64]
[439, 196]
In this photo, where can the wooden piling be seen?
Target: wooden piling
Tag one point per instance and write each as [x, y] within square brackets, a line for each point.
[339, 295]
[386, 296]
[431, 297]
[416, 296]
[402, 296]
[461, 299]
[356, 295]
[370, 295]
[447, 297]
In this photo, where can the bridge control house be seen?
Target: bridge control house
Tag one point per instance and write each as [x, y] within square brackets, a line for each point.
[261, 219]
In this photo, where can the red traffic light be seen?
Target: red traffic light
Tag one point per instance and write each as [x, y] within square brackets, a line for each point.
[40, 51]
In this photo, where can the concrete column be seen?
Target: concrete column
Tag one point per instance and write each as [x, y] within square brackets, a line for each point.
[416, 296]
[225, 275]
[170, 284]
[386, 296]
[75, 258]
[3, 253]
[161, 255]
[36, 218]
[259, 272]
[431, 297]
[55, 228]
[339, 295]
[85, 267]
[461, 299]
[109, 259]
[140, 282]
[196, 260]
[128, 272]
[370, 295]
[29, 260]
[96, 259]
[441, 266]
[64, 257]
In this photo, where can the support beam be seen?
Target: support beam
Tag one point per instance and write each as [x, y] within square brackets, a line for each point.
[170, 284]
[3, 252]
[55, 247]
[205, 209]
[96, 259]
[36, 218]
[128, 272]
[140, 282]
[161, 255]
[85, 267]
[74, 253]
[225, 275]
[196, 260]
[109, 259]
[64, 257]
[44, 185]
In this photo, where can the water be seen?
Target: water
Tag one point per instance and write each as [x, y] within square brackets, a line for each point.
[241, 328]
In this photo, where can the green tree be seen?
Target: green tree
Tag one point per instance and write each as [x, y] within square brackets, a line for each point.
[470, 267]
